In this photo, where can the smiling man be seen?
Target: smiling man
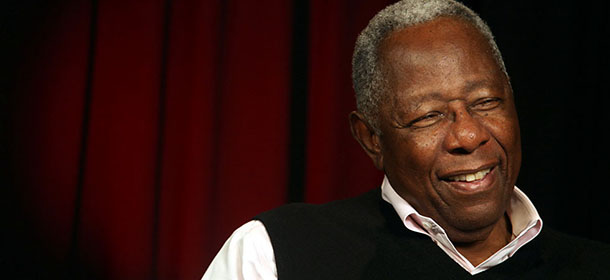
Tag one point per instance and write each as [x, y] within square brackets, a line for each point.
[436, 114]
[447, 134]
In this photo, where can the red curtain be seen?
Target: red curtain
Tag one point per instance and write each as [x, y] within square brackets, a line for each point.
[145, 132]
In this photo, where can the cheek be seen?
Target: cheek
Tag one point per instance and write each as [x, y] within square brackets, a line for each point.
[507, 134]
[422, 151]
[408, 164]
[506, 131]
[515, 152]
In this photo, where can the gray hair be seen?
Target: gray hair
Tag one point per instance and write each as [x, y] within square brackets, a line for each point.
[367, 75]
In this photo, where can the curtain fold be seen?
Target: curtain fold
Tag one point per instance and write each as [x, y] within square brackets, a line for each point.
[335, 161]
[184, 121]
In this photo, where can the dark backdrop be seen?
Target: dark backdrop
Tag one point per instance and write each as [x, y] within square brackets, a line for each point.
[137, 135]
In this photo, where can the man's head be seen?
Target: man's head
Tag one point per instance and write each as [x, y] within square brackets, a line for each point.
[367, 75]
[445, 129]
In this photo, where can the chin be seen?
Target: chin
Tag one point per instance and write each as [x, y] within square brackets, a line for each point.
[474, 223]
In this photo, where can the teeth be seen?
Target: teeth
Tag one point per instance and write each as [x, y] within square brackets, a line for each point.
[470, 177]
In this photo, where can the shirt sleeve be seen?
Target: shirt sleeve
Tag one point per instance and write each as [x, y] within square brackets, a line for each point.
[246, 255]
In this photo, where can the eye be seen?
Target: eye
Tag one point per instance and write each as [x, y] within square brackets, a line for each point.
[486, 104]
[426, 120]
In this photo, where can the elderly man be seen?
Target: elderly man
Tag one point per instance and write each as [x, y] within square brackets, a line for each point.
[436, 114]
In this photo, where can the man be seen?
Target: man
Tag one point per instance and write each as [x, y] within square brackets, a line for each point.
[436, 114]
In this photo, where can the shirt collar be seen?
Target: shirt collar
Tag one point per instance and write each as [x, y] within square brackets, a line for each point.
[524, 218]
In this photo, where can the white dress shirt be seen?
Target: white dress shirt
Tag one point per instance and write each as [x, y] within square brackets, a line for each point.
[248, 253]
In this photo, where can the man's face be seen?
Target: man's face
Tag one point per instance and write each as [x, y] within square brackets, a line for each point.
[449, 141]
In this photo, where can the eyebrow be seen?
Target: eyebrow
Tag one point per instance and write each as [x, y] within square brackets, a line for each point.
[470, 86]
[420, 98]
[474, 85]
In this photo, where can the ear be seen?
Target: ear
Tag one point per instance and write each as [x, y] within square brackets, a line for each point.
[368, 139]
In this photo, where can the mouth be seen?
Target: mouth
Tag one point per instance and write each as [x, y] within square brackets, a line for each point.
[471, 181]
[469, 177]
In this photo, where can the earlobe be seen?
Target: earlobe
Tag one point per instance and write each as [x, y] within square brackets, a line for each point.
[367, 137]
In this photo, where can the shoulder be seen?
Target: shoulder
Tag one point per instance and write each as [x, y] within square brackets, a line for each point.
[247, 254]
[571, 243]
[365, 219]
[249, 241]
[575, 255]
[356, 238]
[335, 226]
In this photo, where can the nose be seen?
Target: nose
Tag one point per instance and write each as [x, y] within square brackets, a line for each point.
[466, 133]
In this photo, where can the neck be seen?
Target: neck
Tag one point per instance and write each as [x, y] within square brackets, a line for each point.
[479, 251]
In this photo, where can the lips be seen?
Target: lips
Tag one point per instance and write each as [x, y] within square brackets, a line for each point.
[469, 177]
[471, 181]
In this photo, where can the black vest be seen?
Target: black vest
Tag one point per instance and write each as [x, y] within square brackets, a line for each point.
[363, 238]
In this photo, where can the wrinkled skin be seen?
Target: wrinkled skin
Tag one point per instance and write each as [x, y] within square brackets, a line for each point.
[449, 111]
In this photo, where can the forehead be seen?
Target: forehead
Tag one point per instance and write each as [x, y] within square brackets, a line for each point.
[441, 55]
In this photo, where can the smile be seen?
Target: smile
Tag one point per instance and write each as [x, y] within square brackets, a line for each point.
[470, 177]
